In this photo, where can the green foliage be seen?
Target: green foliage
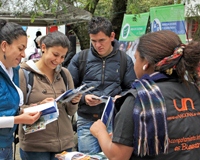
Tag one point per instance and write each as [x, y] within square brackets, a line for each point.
[141, 6]
[80, 3]
[33, 15]
[90, 4]
[44, 4]
[104, 8]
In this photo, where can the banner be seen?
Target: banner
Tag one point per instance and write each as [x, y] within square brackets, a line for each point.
[169, 17]
[133, 26]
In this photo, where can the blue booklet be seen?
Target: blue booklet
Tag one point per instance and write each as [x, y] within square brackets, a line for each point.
[108, 112]
[50, 113]
[70, 94]
[46, 108]
[103, 99]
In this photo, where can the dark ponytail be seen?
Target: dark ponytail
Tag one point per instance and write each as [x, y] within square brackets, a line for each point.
[156, 46]
[190, 60]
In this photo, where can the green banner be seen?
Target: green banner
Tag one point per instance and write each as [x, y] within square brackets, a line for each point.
[133, 26]
[169, 17]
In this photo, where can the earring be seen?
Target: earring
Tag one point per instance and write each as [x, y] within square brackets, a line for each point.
[42, 51]
[4, 56]
[144, 67]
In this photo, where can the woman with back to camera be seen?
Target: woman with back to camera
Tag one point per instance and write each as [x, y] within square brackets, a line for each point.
[48, 84]
[159, 117]
[13, 41]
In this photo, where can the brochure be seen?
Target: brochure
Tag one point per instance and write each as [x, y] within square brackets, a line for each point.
[50, 113]
[45, 108]
[108, 111]
[79, 156]
[102, 98]
[70, 94]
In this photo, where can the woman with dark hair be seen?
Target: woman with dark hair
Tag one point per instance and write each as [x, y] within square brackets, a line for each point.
[159, 117]
[13, 41]
[48, 84]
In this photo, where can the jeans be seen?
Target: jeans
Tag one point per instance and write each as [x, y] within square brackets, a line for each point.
[39, 155]
[87, 143]
[6, 153]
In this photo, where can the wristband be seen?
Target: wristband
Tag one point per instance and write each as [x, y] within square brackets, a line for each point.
[73, 103]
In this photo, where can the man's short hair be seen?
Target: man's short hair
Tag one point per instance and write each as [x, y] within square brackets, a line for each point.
[98, 24]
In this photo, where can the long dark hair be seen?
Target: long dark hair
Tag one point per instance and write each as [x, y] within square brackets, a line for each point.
[157, 45]
[10, 31]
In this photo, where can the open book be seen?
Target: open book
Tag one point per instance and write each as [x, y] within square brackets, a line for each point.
[108, 111]
[70, 94]
[50, 113]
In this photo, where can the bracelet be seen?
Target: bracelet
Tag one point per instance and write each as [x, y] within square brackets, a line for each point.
[73, 103]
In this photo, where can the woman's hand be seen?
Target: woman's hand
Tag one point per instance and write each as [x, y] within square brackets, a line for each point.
[46, 100]
[27, 118]
[98, 127]
[117, 96]
[76, 99]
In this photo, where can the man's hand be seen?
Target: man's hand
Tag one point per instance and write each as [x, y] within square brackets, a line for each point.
[91, 101]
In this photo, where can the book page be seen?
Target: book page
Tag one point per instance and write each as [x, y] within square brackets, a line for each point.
[107, 115]
[41, 123]
[70, 94]
[45, 108]
[51, 114]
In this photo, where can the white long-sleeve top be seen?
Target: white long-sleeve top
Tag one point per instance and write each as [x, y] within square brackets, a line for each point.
[7, 122]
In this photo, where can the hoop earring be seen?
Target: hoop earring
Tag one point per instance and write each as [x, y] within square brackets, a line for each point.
[144, 67]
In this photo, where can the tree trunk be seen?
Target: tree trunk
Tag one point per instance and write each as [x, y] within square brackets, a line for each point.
[81, 32]
[118, 9]
[81, 28]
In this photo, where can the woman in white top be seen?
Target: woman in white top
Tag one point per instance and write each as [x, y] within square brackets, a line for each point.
[13, 41]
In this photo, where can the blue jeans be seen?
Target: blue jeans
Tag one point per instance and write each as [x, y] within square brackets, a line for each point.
[6, 153]
[39, 155]
[87, 143]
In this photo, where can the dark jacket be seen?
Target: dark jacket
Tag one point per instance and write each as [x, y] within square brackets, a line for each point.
[104, 75]
[182, 105]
